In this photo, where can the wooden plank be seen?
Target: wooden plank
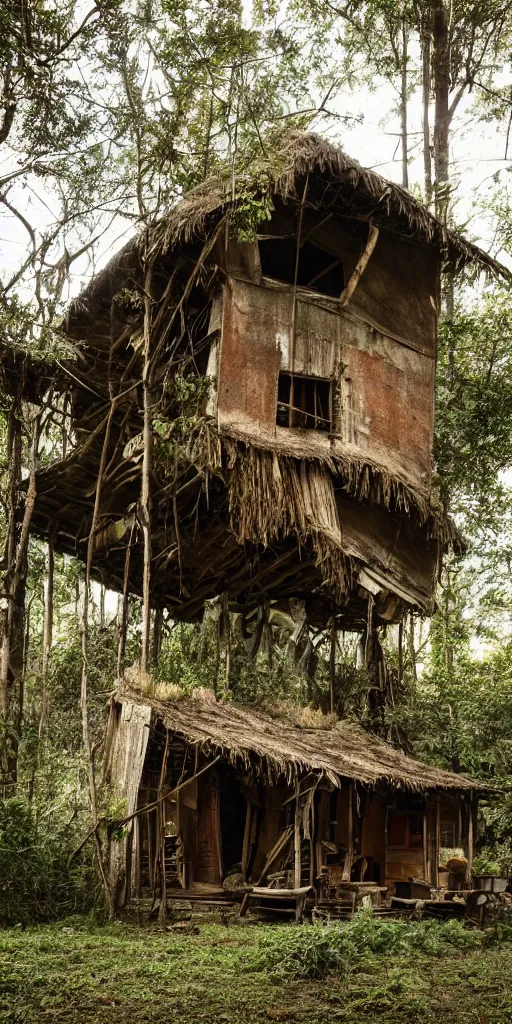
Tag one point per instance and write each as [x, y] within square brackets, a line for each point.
[123, 773]
[246, 842]
[276, 850]
[279, 894]
[208, 867]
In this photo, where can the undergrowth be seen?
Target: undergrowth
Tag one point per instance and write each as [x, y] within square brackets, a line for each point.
[313, 952]
[378, 972]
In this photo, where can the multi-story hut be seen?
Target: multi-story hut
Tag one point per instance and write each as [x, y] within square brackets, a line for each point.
[286, 327]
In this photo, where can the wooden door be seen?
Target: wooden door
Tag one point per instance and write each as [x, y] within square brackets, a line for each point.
[208, 865]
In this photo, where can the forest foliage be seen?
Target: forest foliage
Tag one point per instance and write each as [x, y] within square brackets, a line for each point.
[108, 113]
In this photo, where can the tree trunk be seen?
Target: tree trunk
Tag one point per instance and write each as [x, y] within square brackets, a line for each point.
[441, 68]
[426, 50]
[403, 105]
[13, 592]
[147, 466]
[47, 635]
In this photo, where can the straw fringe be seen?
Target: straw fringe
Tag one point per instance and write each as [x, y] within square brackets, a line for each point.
[276, 745]
[274, 492]
[298, 154]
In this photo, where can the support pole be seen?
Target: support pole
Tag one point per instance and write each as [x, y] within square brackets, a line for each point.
[349, 856]
[425, 848]
[437, 843]
[296, 838]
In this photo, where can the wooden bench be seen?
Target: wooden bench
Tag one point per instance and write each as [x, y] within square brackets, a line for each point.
[264, 895]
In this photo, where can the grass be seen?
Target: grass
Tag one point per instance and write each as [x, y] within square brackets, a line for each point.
[78, 972]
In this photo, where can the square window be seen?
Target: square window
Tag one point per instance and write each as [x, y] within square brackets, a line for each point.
[304, 402]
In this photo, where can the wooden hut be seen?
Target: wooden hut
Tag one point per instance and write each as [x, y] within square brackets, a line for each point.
[304, 296]
[217, 794]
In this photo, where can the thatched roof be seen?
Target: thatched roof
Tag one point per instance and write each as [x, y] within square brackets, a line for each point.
[276, 744]
[356, 191]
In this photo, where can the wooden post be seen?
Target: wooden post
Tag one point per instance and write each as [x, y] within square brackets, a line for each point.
[151, 874]
[437, 843]
[296, 839]
[161, 839]
[136, 858]
[332, 667]
[349, 856]
[425, 847]
[312, 846]
[247, 838]
[471, 839]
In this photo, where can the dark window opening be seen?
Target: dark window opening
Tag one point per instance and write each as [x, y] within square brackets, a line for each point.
[304, 402]
[318, 270]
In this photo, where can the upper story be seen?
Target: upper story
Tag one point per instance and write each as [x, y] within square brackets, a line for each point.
[314, 313]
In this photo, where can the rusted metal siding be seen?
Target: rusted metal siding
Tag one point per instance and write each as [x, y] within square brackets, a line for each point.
[399, 290]
[388, 399]
[249, 356]
[384, 389]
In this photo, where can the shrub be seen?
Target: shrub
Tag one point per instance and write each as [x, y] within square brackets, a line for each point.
[305, 952]
[36, 880]
[338, 948]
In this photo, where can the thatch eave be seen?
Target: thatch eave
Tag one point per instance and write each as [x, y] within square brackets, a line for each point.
[277, 746]
[376, 199]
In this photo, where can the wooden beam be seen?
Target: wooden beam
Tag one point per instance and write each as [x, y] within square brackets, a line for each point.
[246, 842]
[357, 273]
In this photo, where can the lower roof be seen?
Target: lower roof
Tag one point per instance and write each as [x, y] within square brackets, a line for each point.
[275, 742]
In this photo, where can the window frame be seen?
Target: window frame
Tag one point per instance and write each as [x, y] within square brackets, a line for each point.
[295, 411]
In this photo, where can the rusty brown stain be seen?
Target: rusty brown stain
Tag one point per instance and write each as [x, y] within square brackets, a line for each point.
[249, 357]
[397, 404]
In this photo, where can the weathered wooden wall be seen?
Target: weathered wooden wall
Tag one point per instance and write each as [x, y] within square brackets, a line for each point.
[128, 740]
